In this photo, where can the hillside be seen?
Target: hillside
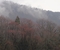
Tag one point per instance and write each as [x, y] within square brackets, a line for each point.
[11, 10]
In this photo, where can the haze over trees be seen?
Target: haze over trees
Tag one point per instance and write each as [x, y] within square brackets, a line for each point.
[28, 35]
[11, 10]
[32, 29]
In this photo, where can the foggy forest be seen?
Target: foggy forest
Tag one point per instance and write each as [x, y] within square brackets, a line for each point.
[25, 27]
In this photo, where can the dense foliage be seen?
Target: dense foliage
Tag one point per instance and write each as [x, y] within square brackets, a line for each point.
[29, 35]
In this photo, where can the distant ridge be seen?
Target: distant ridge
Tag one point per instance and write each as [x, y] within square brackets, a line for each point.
[11, 10]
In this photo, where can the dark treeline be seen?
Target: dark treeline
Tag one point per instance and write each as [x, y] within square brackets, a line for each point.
[26, 35]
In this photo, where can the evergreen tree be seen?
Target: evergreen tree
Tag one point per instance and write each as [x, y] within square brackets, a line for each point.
[17, 20]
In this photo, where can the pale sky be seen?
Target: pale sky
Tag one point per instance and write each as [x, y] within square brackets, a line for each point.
[53, 5]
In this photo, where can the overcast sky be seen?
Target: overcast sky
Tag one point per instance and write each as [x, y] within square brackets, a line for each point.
[53, 5]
